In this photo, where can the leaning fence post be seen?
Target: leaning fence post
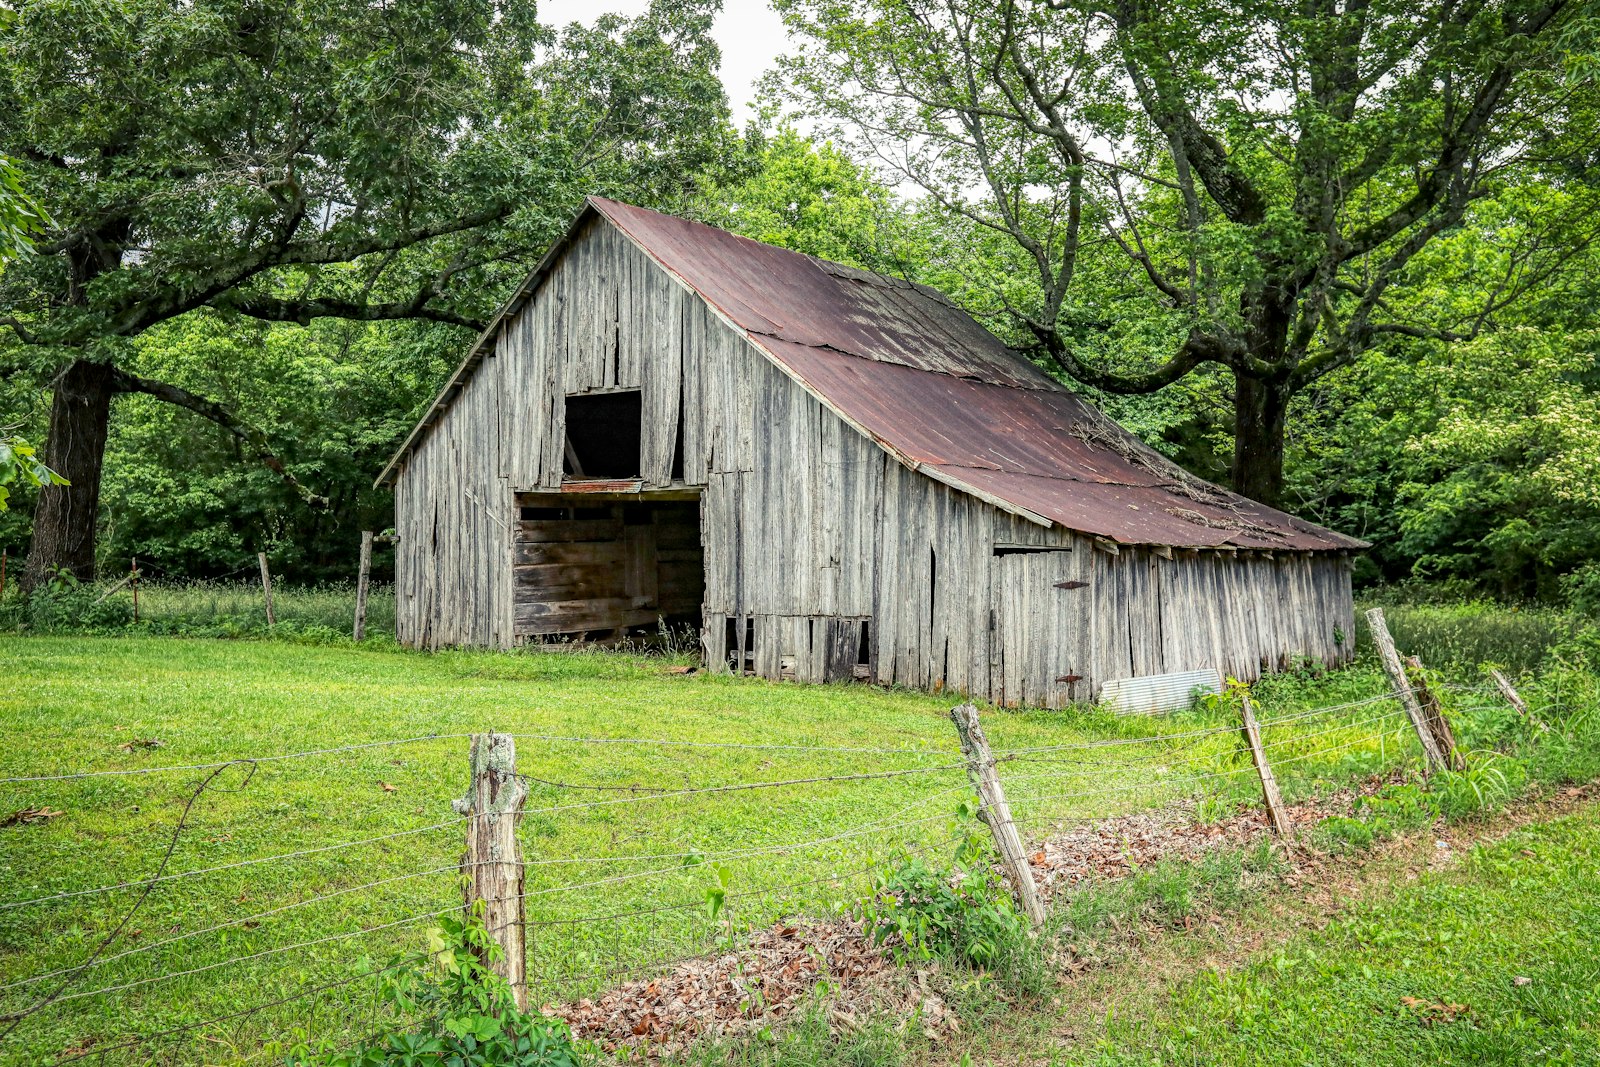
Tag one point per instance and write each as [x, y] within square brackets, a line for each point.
[1433, 711]
[1402, 688]
[1514, 698]
[993, 810]
[266, 586]
[1269, 782]
[362, 572]
[492, 862]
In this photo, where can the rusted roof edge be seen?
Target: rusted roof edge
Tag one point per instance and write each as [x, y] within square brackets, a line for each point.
[463, 371]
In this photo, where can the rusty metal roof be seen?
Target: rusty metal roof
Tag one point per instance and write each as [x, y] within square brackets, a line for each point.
[920, 376]
[924, 379]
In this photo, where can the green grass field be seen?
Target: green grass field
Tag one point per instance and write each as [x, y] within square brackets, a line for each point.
[76, 704]
[1490, 963]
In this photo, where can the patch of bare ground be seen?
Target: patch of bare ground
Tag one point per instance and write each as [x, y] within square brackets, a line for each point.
[777, 973]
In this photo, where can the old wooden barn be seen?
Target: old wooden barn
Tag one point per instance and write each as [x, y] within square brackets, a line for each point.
[832, 475]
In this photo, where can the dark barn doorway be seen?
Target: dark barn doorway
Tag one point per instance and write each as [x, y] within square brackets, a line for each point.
[607, 569]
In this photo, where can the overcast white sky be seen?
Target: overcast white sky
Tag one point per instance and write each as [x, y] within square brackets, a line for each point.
[749, 32]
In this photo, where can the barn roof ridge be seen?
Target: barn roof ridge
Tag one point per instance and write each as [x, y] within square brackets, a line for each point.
[904, 365]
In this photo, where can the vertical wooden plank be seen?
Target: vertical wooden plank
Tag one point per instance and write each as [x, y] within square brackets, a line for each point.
[692, 369]
[768, 646]
[661, 381]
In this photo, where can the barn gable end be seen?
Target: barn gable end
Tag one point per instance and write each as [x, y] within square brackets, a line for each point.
[840, 534]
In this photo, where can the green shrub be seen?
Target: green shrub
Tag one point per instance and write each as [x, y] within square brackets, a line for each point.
[1341, 833]
[1488, 783]
[1581, 588]
[468, 1015]
[955, 912]
[65, 604]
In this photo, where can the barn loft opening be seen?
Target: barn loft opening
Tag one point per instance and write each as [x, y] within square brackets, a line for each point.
[603, 434]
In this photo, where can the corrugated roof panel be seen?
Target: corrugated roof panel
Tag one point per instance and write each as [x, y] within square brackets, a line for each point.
[795, 298]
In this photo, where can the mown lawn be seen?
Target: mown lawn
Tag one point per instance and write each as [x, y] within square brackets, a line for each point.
[614, 884]
[1492, 963]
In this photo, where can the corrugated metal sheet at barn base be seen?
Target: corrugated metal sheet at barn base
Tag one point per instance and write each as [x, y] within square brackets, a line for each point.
[831, 475]
[1157, 693]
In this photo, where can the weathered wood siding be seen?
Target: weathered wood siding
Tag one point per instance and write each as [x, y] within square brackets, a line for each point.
[813, 535]
[453, 518]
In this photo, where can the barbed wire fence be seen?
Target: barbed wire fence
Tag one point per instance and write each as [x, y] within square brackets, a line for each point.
[615, 880]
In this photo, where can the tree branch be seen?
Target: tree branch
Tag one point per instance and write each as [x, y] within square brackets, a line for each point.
[1192, 145]
[247, 435]
[1197, 349]
[280, 309]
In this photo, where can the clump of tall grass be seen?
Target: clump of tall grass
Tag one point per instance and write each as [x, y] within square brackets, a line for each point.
[198, 609]
[1461, 636]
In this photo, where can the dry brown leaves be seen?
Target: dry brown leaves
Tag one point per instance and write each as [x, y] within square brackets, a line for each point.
[757, 986]
[1118, 846]
[24, 816]
[1430, 1013]
[739, 992]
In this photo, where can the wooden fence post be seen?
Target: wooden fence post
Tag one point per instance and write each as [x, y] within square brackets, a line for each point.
[1514, 698]
[1402, 688]
[994, 811]
[134, 575]
[1269, 782]
[492, 862]
[1433, 711]
[361, 584]
[266, 587]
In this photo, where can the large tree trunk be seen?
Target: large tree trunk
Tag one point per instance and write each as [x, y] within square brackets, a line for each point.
[1261, 409]
[64, 520]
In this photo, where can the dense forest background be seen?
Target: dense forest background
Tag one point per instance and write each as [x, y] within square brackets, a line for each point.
[1461, 435]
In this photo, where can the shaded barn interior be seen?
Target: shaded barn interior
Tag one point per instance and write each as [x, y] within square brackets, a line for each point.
[601, 569]
[832, 475]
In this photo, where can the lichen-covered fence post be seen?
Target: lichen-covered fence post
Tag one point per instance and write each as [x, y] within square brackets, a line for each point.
[1403, 689]
[363, 577]
[1269, 781]
[1433, 713]
[993, 810]
[493, 860]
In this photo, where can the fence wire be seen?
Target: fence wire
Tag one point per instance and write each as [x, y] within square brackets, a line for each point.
[572, 918]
